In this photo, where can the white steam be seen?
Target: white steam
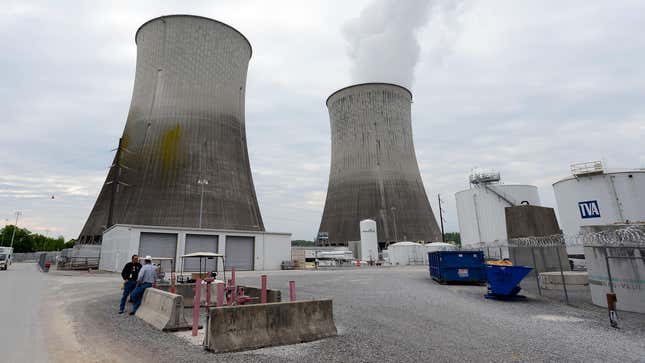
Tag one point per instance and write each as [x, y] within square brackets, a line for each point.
[383, 40]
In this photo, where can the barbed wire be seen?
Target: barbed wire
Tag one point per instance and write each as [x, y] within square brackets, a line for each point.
[630, 236]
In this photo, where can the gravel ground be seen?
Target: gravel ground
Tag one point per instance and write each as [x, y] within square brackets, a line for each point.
[382, 314]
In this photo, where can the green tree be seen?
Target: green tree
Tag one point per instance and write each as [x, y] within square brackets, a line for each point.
[453, 237]
[25, 241]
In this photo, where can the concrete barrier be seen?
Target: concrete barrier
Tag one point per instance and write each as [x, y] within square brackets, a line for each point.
[553, 280]
[163, 310]
[243, 327]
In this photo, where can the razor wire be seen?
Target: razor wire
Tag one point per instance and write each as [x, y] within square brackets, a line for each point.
[630, 236]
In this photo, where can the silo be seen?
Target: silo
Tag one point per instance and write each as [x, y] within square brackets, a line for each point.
[374, 172]
[369, 240]
[480, 208]
[594, 196]
[184, 156]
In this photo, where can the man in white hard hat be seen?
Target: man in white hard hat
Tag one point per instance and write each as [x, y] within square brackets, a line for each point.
[147, 277]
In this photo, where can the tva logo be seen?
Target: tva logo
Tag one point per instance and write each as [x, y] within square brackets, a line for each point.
[589, 209]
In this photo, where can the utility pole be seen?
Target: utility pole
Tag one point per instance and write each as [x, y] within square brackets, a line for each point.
[443, 235]
[201, 182]
[116, 181]
[15, 226]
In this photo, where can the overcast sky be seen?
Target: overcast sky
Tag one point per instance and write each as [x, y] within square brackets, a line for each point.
[522, 87]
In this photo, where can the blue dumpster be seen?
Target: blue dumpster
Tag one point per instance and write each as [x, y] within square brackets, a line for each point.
[503, 281]
[457, 266]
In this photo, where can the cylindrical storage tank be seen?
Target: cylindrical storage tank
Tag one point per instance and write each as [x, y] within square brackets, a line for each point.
[369, 240]
[480, 210]
[186, 124]
[406, 253]
[626, 260]
[374, 171]
[599, 199]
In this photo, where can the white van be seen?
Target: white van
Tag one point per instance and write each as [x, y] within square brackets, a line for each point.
[6, 254]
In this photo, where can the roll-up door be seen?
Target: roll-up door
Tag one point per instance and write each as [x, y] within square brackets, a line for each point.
[158, 245]
[240, 252]
[200, 243]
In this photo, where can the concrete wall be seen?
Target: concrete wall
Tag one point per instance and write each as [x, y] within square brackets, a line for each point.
[534, 221]
[186, 122]
[120, 242]
[243, 327]
[374, 171]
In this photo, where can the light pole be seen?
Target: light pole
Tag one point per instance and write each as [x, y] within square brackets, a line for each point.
[15, 226]
[201, 182]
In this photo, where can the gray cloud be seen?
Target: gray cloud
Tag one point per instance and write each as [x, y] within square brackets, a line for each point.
[513, 86]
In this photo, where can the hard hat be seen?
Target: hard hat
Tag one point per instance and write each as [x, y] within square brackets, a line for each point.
[148, 258]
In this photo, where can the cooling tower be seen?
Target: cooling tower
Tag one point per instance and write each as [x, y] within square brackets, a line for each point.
[185, 124]
[374, 172]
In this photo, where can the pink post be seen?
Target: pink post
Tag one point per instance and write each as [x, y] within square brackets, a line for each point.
[263, 294]
[292, 291]
[208, 294]
[234, 288]
[196, 303]
[220, 294]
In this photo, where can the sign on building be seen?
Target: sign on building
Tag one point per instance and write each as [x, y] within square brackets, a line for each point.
[589, 209]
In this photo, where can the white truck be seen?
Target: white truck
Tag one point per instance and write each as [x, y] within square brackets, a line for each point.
[6, 255]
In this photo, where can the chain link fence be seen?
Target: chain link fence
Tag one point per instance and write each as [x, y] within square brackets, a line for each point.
[555, 276]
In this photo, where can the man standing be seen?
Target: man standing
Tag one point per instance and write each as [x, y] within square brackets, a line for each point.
[147, 277]
[130, 273]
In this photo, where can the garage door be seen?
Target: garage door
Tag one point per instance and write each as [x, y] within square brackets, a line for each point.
[158, 244]
[240, 252]
[200, 243]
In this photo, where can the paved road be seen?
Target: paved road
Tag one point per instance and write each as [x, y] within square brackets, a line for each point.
[21, 327]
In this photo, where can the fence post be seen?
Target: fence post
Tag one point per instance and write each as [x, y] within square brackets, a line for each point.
[564, 284]
[609, 279]
[537, 272]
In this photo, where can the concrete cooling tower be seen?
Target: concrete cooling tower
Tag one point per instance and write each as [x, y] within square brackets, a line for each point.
[185, 124]
[374, 172]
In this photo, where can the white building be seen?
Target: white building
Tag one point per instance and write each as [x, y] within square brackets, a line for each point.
[593, 196]
[242, 250]
[480, 209]
[406, 253]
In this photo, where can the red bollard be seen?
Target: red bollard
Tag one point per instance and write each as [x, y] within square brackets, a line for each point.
[263, 294]
[196, 303]
[292, 291]
[173, 281]
[611, 307]
[220, 294]
[208, 294]
[234, 288]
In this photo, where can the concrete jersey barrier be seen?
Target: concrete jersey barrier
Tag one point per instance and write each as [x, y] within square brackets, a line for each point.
[243, 327]
[163, 310]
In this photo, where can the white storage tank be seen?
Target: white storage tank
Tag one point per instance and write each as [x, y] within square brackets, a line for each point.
[406, 253]
[593, 196]
[480, 209]
[369, 240]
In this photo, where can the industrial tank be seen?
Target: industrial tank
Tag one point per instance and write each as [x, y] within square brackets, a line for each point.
[480, 209]
[374, 171]
[183, 160]
[369, 240]
[407, 253]
[594, 196]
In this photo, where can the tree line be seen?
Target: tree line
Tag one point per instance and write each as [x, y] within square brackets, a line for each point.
[26, 241]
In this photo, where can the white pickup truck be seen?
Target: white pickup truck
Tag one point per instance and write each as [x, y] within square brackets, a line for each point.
[6, 254]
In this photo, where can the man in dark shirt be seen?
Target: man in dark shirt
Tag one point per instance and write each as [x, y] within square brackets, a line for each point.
[130, 274]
